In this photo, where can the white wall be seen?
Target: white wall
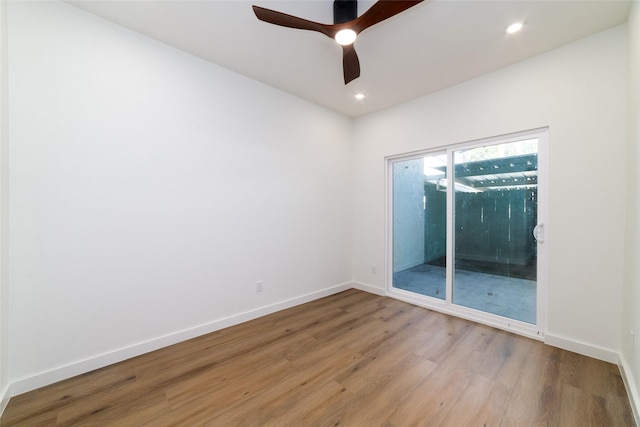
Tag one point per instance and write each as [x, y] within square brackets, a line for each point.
[150, 190]
[631, 295]
[4, 205]
[579, 91]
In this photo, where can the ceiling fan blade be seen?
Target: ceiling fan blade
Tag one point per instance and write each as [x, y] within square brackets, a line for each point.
[350, 63]
[284, 20]
[381, 10]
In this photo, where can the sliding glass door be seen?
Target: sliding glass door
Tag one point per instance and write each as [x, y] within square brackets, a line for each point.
[420, 225]
[466, 228]
[496, 203]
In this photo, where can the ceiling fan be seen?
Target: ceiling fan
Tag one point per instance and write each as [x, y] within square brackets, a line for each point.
[345, 28]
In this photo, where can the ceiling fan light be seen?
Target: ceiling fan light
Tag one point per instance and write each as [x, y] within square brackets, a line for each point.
[514, 28]
[346, 37]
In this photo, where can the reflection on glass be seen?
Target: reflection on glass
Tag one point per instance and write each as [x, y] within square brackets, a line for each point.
[495, 202]
[419, 225]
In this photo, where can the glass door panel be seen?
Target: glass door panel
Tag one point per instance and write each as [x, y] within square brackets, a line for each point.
[420, 224]
[495, 213]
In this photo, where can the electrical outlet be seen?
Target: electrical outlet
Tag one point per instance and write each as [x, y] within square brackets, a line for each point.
[259, 286]
[373, 269]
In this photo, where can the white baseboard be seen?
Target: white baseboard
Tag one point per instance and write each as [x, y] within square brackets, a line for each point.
[5, 395]
[582, 348]
[369, 288]
[630, 385]
[82, 366]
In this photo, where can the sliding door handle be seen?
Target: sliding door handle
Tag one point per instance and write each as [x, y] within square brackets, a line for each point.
[538, 233]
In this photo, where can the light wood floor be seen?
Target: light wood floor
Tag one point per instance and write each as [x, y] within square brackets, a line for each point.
[351, 359]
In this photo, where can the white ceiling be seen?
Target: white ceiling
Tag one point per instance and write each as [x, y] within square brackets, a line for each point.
[431, 46]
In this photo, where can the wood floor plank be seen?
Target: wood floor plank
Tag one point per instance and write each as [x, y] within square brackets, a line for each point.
[506, 358]
[336, 327]
[292, 395]
[294, 408]
[540, 388]
[29, 408]
[353, 359]
[213, 400]
[114, 408]
[183, 390]
[385, 360]
[593, 413]
[391, 390]
[465, 351]
[432, 400]
[484, 401]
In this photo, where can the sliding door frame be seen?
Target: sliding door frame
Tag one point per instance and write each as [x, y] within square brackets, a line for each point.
[446, 306]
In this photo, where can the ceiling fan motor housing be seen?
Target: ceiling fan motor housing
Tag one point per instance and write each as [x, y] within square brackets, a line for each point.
[344, 11]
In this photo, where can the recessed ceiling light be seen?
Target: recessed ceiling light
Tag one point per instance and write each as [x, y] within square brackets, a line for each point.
[359, 96]
[346, 37]
[514, 28]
